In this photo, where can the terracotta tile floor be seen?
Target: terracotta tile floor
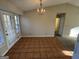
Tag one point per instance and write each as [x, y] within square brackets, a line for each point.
[38, 48]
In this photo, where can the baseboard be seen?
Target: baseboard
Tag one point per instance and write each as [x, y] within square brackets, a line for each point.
[38, 36]
[11, 46]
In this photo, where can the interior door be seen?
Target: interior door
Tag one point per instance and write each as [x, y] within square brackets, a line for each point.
[8, 29]
[60, 19]
[61, 24]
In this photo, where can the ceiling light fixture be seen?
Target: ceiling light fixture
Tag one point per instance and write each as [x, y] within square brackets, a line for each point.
[41, 10]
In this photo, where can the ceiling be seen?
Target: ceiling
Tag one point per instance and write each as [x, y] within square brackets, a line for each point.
[26, 5]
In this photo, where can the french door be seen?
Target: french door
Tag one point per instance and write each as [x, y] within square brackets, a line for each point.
[8, 28]
[17, 25]
[2, 38]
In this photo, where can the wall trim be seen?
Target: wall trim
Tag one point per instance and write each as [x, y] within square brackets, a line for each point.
[11, 46]
[38, 36]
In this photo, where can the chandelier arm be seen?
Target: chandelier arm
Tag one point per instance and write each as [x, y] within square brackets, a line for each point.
[41, 10]
[41, 3]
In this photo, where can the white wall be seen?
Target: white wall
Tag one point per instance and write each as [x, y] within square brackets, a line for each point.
[8, 6]
[72, 20]
[43, 25]
[36, 26]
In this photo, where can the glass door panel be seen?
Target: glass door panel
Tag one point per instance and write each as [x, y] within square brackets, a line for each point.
[17, 25]
[8, 29]
[1, 35]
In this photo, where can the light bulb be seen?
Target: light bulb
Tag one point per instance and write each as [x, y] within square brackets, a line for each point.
[41, 10]
[38, 10]
[44, 10]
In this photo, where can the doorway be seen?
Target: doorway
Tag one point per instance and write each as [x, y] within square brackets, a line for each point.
[59, 24]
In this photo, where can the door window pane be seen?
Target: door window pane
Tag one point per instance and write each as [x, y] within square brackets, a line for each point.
[9, 30]
[17, 25]
[1, 35]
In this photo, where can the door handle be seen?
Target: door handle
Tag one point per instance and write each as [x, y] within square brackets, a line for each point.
[6, 34]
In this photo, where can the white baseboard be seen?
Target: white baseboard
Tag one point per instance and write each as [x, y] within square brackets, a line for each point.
[38, 36]
[11, 46]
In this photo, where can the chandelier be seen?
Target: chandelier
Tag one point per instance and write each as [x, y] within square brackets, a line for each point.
[41, 10]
